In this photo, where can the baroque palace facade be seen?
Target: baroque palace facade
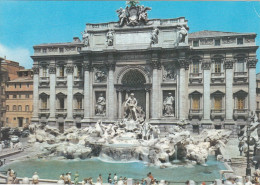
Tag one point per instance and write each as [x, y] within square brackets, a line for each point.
[206, 77]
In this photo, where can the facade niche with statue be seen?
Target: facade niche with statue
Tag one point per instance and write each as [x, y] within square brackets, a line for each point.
[100, 108]
[169, 103]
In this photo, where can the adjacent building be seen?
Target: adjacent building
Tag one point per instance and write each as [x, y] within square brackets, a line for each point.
[19, 99]
[206, 77]
[8, 72]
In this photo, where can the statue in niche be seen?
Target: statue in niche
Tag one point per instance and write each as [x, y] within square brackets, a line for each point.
[168, 105]
[110, 38]
[85, 38]
[182, 33]
[100, 76]
[101, 105]
[131, 105]
[154, 36]
[169, 73]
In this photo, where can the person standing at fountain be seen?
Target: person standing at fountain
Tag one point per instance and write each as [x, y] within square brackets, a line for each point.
[120, 182]
[76, 178]
[35, 178]
[66, 178]
[109, 179]
[99, 179]
[115, 179]
[148, 180]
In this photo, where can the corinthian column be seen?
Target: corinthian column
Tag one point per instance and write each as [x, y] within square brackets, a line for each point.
[69, 71]
[229, 90]
[184, 65]
[52, 74]
[87, 102]
[156, 64]
[251, 63]
[110, 89]
[35, 118]
[206, 90]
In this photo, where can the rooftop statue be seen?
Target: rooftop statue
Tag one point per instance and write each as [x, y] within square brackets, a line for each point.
[133, 15]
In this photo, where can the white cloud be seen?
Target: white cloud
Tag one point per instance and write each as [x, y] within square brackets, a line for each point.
[18, 54]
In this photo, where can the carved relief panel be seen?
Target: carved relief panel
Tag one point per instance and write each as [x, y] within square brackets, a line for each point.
[169, 72]
[100, 74]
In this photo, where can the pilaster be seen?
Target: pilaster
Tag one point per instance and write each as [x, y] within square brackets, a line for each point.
[251, 63]
[69, 71]
[35, 118]
[206, 64]
[229, 89]
[52, 75]
[182, 90]
[156, 65]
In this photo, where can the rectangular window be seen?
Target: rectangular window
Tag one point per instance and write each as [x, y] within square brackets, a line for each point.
[27, 96]
[61, 50]
[195, 43]
[44, 50]
[7, 107]
[240, 103]
[20, 85]
[14, 118]
[195, 67]
[79, 69]
[14, 96]
[7, 96]
[78, 49]
[61, 103]
[218, 103]
[27, 108]
[239, 41]
[217, 42]
[20, 96]
[27, 85]
[14, 85]
[195, 103]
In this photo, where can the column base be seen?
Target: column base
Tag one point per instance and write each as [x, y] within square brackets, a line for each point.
[229, 122]
[206, 122]
[85, 120]
[52, 122]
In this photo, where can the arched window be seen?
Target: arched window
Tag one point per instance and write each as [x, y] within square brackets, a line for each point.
[133, 78]
[14, 107]
[19, 108]
[7, 107]
[27, 108]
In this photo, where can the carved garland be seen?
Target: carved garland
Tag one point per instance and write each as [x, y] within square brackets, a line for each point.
[229, 64]
[69, 69]
[206, 65]
[252, 63]
[35, 70]
[184, 64]
[52, 69]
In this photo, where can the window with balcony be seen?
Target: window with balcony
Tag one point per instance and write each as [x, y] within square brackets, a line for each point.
[240, 67]
[79, 71]
[44, 72]
[62, 69]
[217, 103]
[195, 66]
[79, 103]
[195, 102]
[217, 67]
[240, 103]
[44, 102]
[61, 102]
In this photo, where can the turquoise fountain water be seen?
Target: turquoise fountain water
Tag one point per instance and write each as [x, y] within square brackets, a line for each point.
[51, 169]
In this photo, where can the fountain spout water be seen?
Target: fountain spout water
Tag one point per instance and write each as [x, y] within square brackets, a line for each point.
[176, 154]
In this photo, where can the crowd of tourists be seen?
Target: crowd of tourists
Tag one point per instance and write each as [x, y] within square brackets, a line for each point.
[68, 179]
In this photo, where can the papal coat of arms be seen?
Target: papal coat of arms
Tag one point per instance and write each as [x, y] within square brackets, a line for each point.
[133, 15]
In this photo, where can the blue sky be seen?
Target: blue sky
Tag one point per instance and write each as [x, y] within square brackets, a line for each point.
[27, 23]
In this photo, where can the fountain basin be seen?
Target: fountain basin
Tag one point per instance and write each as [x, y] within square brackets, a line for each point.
[51, 169]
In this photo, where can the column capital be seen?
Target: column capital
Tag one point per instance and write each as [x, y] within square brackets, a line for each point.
[52, 69]
[69, 68]
[228, 63]
[87, 66]
[35, 70]
[251, 62]
[206, 64]
[184, 63]
[110, 65]
[156, 64]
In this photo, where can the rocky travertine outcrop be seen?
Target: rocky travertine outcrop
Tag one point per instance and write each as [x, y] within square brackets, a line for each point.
[115, 142]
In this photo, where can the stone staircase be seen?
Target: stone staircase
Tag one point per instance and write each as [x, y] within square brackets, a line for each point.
[238, 160]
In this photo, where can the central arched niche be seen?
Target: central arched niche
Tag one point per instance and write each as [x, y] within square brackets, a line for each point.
[133, 81]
